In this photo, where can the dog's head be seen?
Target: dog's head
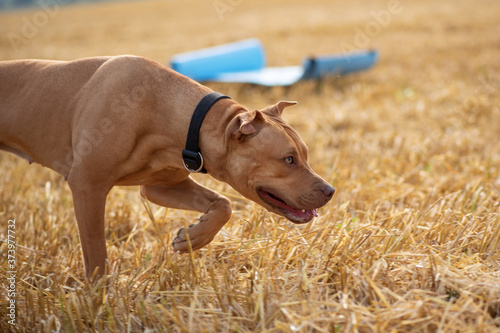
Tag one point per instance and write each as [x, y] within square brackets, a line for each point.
[267, 163]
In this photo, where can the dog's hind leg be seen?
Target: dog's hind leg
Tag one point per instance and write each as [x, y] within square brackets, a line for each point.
[190, 195]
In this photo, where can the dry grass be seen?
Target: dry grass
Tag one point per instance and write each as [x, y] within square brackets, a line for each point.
[410, 242]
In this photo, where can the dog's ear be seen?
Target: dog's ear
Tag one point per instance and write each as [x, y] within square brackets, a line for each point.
[277, 109]
[244, 124]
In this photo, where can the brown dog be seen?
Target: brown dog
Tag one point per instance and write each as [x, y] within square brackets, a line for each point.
[124, 120]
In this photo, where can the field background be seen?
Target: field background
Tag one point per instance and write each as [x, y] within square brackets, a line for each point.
[409, 243]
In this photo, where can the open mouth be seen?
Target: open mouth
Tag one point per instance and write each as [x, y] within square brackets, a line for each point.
[295, 215]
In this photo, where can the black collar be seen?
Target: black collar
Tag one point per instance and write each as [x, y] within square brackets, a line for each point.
[193, 161]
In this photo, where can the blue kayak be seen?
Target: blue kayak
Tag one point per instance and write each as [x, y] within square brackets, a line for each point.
[245, 62]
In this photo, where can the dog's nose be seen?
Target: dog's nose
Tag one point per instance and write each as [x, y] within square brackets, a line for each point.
[328, 191]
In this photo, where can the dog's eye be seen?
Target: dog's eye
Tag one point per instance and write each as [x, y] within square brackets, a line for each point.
[289, 160]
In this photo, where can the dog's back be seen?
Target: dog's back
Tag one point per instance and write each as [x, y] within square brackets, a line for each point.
[35, 97]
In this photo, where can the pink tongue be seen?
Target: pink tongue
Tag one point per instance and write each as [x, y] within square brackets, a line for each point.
[294, 211]
[300, 213]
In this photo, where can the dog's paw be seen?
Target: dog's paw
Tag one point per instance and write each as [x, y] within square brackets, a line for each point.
[203, 232]
[181, 237]
[198, 236]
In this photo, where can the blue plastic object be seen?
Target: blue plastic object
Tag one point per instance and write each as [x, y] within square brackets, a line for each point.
[339, 64]
[245, 61]
[207, 64]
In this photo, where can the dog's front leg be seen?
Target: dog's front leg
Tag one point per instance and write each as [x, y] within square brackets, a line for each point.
[190, 195]
[89, 210]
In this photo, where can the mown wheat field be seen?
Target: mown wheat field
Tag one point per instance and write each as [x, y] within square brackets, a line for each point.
[409, 243]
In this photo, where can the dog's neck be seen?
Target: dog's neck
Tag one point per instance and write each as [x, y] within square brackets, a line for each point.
[212, 140]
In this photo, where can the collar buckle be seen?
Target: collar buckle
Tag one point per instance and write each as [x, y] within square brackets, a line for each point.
[193, 161]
